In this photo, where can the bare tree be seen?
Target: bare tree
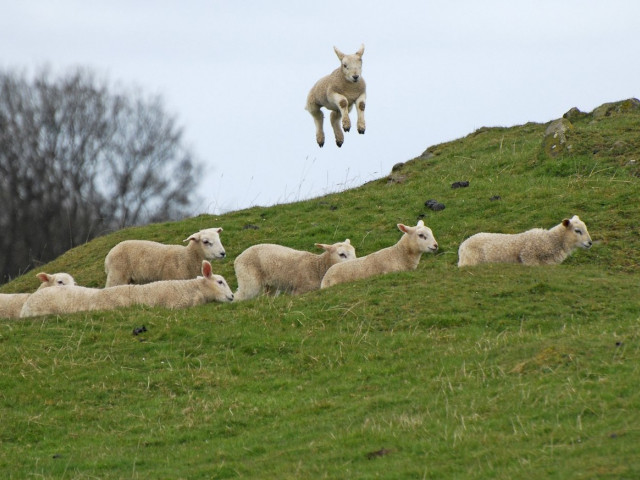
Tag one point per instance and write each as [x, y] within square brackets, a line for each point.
[77, 160]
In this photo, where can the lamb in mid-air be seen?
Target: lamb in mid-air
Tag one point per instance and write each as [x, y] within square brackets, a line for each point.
[338, 92]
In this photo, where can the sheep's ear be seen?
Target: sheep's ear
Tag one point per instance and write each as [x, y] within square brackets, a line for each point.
[566, 222]
[43, 277]
[195, 237]
[403, 228]
[324, 246]
[219, 230]
[206, 269]
[420, 223]
[360, 51]
[347, 241]
[338, 53]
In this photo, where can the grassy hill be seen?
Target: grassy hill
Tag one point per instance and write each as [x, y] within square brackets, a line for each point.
[498, 371]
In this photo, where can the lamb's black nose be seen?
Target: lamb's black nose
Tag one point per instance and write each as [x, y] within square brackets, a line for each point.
[355, 77]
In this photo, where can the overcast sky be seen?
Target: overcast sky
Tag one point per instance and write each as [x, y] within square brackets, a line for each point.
[236, 75]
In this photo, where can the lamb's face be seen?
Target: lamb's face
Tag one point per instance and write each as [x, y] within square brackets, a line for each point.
[351, 64]
[222, 291]
[578, 230]
[55, 280]
[424, 239]
[342, 251]
[210, 243]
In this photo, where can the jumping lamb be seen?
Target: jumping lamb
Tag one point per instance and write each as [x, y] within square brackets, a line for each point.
[11, 303]
[404, 255]
[276, 267]
[143, 261]
[338, 92]
[167, 293]
[533, 247]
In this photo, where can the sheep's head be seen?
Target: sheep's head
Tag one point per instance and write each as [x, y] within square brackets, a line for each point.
[339, 252]
[577, 232]
[421, 237]
[209, 242]
[217, 284]
[351, 64]
[55, 280]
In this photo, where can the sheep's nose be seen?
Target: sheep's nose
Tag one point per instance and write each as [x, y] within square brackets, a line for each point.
[223, 254]
[435, 246]
[355, 78]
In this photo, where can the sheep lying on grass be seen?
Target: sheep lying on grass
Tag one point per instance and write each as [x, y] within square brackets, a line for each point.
[404, 255]
[142, 261]
[338, 92]
[533, 247]
[275, 267]
[167, 293]
[11, 303]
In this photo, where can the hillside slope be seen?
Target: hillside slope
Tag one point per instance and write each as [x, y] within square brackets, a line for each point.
[487, 372]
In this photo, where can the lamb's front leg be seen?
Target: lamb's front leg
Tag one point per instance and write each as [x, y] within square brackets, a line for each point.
[342, 103]
[360, 104]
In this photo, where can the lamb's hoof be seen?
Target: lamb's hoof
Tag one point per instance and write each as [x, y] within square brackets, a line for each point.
[321, 144]
[346, 128]
[361, 131]
[339, 143]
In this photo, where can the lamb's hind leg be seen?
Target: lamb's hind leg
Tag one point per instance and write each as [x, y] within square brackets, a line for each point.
[337, 131]
[318, 118]
[360, 104]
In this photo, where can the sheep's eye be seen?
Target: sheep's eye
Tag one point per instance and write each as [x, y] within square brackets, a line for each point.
[343, 255]
[206, 242]
[578, 231]
[60, 282]
[220, 282]
[344, 65]
[422, 236]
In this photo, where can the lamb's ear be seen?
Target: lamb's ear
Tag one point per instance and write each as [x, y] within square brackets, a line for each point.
[338, 53]
[403, 228]
[566, 222]
[219, 229]
[206, 269]
[323, 246]
[360, 51]
[347, 241]
[420, 223]
[43, 277]
[195, 237]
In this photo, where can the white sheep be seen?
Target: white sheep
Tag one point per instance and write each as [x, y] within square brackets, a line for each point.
[11, 303]
[404, 255]
[338, 92]
[533, 247]
[143, 261]
[276, 267]
[167, 293]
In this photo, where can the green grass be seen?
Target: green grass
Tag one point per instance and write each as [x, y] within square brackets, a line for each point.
[489, 372]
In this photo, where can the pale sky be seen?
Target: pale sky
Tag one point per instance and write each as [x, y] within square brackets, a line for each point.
[236, 75]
